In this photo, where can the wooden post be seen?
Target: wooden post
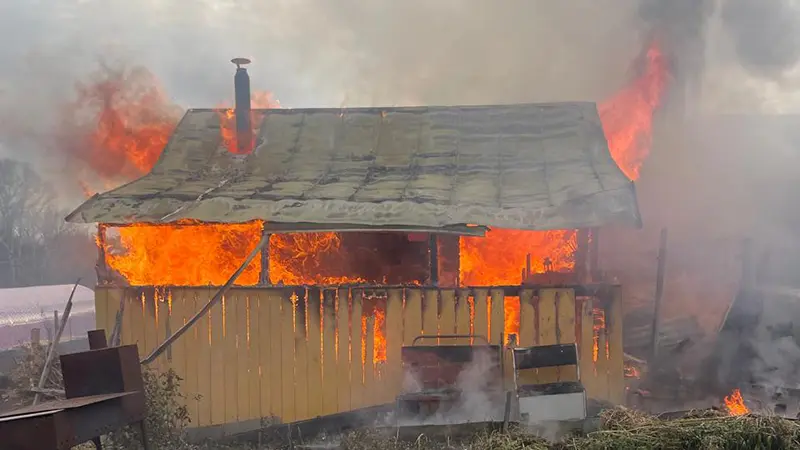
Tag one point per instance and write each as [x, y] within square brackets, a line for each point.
[36, 336]
[594, 255]
[449, 260]
[263, 276]
[662, 265]
[433, 252]
[101, 268]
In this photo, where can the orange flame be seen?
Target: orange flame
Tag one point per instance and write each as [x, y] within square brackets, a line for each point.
[734, 403]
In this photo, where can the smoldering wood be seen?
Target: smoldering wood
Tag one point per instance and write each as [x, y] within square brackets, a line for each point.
[263, 276]
[54, 345]
[101, 267]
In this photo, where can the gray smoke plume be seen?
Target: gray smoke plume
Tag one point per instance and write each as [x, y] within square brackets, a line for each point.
[765, 33]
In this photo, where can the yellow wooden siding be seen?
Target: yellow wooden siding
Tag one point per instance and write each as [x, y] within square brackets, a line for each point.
[263, 353]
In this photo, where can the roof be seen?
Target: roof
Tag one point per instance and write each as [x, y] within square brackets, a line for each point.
[527, 166]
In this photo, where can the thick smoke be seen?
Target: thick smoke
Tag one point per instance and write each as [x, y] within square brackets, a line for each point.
[765, 34]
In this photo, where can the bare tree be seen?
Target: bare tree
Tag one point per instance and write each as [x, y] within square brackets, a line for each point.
[33, 232]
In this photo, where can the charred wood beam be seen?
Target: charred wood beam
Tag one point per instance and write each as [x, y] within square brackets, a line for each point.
[263, 276]
[101, 267]
[433, 252]
[449, 260]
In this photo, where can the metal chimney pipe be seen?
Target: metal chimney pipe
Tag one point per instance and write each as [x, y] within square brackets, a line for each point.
[244, 127]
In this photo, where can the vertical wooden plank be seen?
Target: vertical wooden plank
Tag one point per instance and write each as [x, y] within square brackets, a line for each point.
[430, 315]
[204, 367]
[253, 343]
[101, 300]
[588, 372]
[163, 362]
[565, 329]
[329, 372]
[356, 360]
[288, 412]
[447, 319]
[230, 325]
[314, 353]
[273, 379]
[412, 316]
[602, 366]
[616, 369]
[112, 297]
[138, 317]
[218, 362]
[343, 353]
[462, 316]
[150, 318]
[301, 360]
[527, 319]
[242, 357]
[394, 340]
[527, 333]
[127, 316]
[498, 316]
[481, 320]
[187, 348]
[181, 307]
[547, 330]
[370, 386]
[263, 345]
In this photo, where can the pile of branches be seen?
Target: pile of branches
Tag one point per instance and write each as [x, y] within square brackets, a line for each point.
[25, 376]
[621, 429]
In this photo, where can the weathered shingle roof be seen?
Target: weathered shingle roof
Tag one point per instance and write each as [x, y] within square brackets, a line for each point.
[530, 166]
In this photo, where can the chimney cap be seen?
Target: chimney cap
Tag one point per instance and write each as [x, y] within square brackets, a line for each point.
[240, 62]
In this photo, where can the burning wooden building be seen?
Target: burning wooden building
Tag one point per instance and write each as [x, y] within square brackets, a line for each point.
[355, 226]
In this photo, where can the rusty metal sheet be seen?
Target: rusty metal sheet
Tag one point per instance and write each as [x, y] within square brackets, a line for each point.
[121, 371]
[59, 405]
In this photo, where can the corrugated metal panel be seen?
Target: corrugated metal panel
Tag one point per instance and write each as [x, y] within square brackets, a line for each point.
[531, 166]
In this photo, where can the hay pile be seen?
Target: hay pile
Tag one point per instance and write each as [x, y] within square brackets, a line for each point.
[709, 430]
[622, 429]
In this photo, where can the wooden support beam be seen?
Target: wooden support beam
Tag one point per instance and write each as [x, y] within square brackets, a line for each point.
[433, 252]
[263, 276]
[449, 260]
[660, 271]
[582, 256]
[101, 267]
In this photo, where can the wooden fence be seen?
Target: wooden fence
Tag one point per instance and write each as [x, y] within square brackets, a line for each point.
[293, 353]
